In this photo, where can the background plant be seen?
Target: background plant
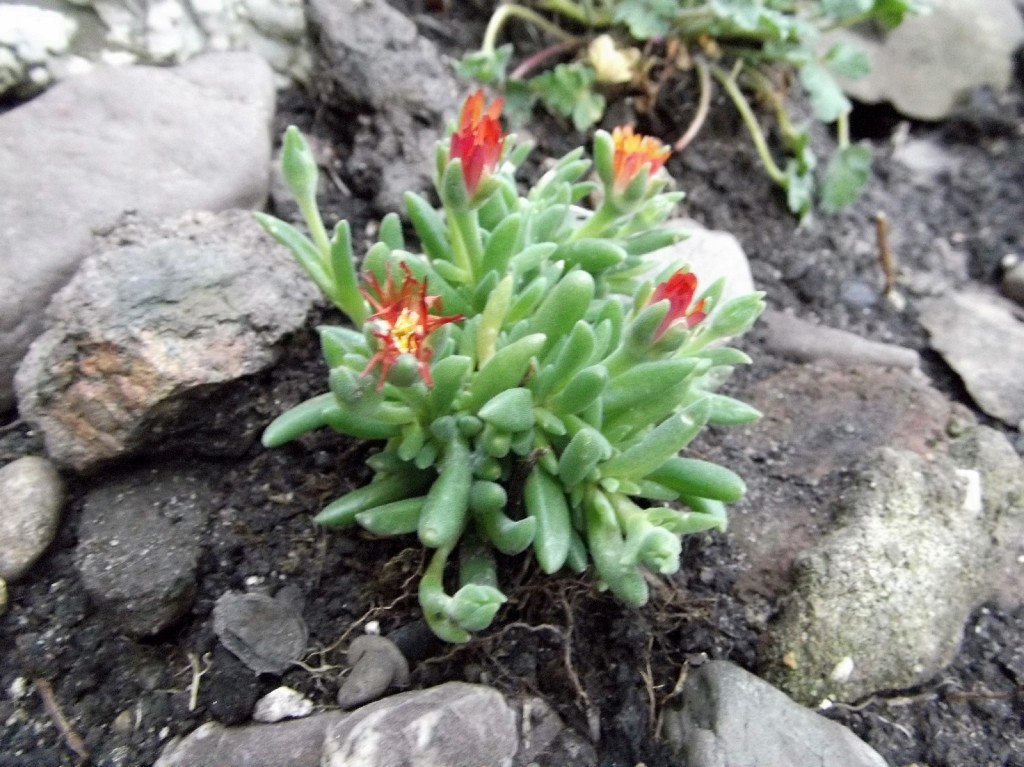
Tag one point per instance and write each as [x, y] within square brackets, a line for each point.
[753, 49]
[533, 373]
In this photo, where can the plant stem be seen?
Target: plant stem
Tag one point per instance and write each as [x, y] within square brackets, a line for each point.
[703, 102]
[466, 242]
[573, 11]
[311, 213]
[511, 10]
[750, 120]
[843, 130]
[540, 56]
[595, 226]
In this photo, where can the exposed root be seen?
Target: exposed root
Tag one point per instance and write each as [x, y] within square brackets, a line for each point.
[71, 738]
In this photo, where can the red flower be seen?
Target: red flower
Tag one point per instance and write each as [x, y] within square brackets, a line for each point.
[478, 140]
[632, 152]
[402, 322]
[678, 290]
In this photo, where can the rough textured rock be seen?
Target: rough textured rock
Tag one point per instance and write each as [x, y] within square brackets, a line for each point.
[159, 141]
[373, 60]
[296, 743]
[31, 497]
[40, 45]
[882, 600]
[158, 317]
[973, 330]
[268, 635]
[1013, 282]
[730, 718]
[819, 420]
[926, 66]
[139, 542]
[454, 725]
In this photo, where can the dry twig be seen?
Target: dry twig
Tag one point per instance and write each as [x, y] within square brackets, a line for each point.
[71, 738]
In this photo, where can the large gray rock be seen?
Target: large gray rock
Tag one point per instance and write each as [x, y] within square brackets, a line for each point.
[267, 634]
[730, 718]
[451, 725]
[158, 317]
[296, 743]
[139, 542]
[373, 60]
[157, 141]
[31, 496]
[926, 66]
[978, 334]
[881, 602]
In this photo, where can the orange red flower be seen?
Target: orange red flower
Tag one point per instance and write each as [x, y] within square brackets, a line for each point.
[402, 322]
[632, 152]
[478, 141]
[678, 290]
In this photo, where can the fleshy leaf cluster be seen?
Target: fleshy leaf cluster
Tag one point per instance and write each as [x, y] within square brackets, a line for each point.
[531, 371]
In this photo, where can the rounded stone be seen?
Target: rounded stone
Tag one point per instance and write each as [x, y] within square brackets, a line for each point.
[31, 496]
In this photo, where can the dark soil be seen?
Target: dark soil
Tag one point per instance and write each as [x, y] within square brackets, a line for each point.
[608, 670]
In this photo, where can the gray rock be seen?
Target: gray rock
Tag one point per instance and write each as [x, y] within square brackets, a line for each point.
[373, 59]
[295, 743]
[978, 335]
[926, 66]
[157, 141]
[730, 718]
[139, 542]
[819, 419]
[155, 320]
[545, 740]
[452, 725]
[377, 665]
[876, 605]
[3, 597]
[31, 496]
[804, 341]
[268, 635]
[282, 703]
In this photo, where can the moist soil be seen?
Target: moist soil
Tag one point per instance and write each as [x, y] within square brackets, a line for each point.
[610, 671]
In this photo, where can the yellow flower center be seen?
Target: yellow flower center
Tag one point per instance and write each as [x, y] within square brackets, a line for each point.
[404, 330]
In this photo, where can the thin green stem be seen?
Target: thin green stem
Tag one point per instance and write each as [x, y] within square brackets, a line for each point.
[750, 120]
[311, 214]
[843, 130]
[511, 10]
[588, 17]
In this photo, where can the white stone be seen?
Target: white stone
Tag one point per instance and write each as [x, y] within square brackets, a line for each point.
[282, 703]
[31, 496]
[35, 33]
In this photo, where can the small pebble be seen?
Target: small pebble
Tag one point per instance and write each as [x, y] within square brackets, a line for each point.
[857, 294]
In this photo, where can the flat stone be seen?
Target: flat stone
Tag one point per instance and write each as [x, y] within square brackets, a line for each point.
[158, 317]
[268, 635]
[928, 64]
[730, 718]
[31, 497]
[804, 341]
[882, 600]
[454, 725]
[159, 141]
[980, 337]
[139, 542]
[296, 743]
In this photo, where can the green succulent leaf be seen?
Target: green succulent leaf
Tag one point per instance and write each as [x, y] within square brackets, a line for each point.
[827, 99]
